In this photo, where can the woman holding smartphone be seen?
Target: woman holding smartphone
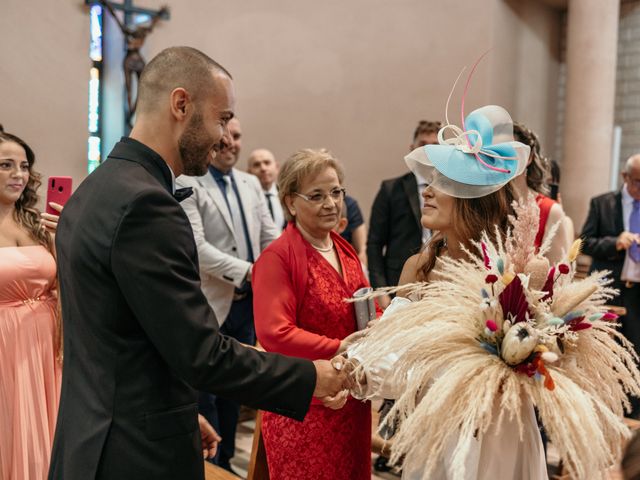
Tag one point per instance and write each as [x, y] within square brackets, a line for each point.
[30, 333]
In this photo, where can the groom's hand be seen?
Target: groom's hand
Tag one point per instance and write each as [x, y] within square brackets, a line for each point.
[210, 438]
[329, 381]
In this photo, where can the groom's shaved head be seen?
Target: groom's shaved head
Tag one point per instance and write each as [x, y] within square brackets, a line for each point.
[173, 68]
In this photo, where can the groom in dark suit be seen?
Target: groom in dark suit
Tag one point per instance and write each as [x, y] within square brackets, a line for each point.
[610, 233]
[139, 336]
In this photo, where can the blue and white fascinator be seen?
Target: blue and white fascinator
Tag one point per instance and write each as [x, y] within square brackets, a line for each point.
[477, 159]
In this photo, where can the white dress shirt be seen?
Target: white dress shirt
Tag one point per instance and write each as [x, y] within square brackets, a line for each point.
[627, 206]
[273, 202]
[630, 269]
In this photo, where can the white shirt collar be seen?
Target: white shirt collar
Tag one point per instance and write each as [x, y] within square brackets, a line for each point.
[626, 196]
[273, 190]
[173, 180]
[627, 207]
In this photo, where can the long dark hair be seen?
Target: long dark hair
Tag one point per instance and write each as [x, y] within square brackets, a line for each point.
[538, 170]
[28, 217]
[472, 216]
[26, 213]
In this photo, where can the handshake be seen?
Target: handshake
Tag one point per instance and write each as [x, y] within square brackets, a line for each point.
[335, 379]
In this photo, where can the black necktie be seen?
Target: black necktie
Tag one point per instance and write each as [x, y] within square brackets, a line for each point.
[182, 193]
[269, 195]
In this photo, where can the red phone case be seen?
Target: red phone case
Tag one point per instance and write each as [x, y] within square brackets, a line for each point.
[58, 191]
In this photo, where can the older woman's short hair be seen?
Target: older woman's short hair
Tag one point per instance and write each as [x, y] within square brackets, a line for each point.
[301, 165]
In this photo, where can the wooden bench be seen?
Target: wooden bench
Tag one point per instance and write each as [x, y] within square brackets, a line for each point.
[258, 467]
[213, 472]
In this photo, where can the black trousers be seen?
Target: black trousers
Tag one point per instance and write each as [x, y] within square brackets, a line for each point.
[221, 413]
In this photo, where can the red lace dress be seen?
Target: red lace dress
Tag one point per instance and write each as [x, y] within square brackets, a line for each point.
[328, 444]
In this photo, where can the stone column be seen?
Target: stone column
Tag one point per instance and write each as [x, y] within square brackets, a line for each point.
[592, 44]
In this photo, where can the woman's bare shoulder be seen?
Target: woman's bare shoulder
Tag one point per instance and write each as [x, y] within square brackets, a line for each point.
[411, 267]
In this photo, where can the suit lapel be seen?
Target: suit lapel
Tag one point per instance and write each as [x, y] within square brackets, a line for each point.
[411, 190]
[617, 218]
[245, 196]
[214, 192]
[247, 199]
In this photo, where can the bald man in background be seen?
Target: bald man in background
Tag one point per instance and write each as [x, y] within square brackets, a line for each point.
[263, 164]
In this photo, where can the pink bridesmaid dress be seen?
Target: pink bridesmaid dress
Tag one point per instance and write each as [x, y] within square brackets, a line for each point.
[29, 371]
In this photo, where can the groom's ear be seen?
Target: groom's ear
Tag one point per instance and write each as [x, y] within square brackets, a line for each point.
[180, 104]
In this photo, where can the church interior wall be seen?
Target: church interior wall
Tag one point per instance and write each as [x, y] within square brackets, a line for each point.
[44, 74]
[354, 77]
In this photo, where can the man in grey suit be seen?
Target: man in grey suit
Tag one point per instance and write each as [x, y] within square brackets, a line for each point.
[231, 226]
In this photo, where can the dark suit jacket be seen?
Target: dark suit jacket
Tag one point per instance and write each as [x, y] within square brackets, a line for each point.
[139, 336]
[395, 232]
[603, 225]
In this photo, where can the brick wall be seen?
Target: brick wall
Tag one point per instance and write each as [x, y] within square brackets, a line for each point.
[627, 113]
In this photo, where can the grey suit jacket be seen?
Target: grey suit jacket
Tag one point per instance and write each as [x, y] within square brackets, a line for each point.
[217, 243]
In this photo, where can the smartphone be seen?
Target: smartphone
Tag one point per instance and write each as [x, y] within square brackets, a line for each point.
[58, 191]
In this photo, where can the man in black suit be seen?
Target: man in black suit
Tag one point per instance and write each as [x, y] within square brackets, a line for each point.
[610, 234]
[139, 335]
[396, 232]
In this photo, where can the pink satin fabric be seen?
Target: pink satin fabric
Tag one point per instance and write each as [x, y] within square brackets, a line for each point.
[29, 372]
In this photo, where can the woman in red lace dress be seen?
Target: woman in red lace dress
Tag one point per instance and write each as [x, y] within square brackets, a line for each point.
[300, 282]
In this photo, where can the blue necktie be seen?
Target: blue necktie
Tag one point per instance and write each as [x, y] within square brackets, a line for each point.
[634, 227]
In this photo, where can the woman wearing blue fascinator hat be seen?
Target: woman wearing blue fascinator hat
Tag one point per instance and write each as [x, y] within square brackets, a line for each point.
[489, 328]
[469, 192]
[475, 162]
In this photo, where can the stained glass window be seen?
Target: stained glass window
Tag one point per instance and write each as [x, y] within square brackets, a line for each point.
[94, 124]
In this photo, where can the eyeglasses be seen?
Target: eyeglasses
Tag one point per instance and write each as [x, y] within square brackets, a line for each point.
[336, 195]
